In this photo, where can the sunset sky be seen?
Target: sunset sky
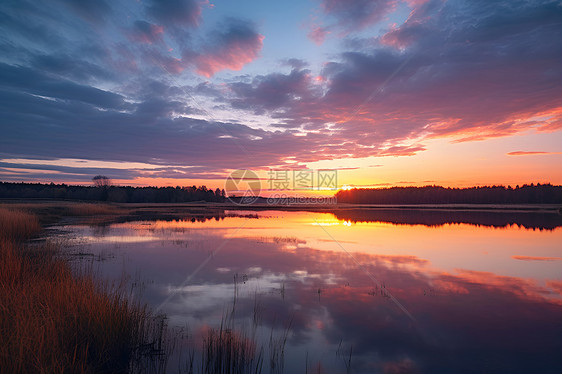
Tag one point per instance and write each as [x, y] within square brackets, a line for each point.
[389, 92]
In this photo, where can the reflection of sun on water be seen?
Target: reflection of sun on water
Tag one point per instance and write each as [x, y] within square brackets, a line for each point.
[287, 261]
[331, 222]
[325, 223]
[511, 251]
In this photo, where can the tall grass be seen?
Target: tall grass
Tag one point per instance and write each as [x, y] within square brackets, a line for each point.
[92, 209]
[54, 319]
[51, 212]
[227, 351]
[17, 225]
[59, 318]
[231, 349]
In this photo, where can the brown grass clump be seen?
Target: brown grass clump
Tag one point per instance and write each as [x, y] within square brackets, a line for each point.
[16, 225]
[54, 320]
[50, 212]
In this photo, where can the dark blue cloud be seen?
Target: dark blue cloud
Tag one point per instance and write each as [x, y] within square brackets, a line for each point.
[161, 108]
[41, 127]
[271, 92]
[178, 12]
[77, 173]
[94, 11]
[295, 63]
[31, 81]
[353, 15]
[24, 24]
[70, 67]
[146, 32]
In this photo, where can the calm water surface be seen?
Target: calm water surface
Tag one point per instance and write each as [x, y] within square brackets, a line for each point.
[363, 293]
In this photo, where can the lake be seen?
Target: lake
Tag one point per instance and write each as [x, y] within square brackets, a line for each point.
[362, 291]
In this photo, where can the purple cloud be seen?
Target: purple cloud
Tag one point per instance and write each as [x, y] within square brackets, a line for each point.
[318, 34]
[272, 92]
[468, 70]
[232, 47]
[381, 98]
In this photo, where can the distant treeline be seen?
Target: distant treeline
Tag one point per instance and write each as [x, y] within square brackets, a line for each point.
[526, 194]
[125, 194]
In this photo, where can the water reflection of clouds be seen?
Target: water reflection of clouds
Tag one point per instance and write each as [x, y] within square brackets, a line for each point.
[465, 317]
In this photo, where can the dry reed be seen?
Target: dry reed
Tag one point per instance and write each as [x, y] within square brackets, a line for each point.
[53, 319]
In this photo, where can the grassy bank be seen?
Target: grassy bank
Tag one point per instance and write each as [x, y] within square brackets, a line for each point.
[56, 316]
[56, 319]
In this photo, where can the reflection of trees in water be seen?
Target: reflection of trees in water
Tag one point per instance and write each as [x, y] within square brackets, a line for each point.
[529, 220]
[101, 228]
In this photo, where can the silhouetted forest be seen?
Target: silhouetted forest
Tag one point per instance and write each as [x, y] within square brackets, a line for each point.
[526, 194]
[121, 194]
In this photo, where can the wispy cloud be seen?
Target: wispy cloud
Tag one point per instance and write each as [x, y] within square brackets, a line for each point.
[536, 258]
[318, 34]
[351, 15]
[532, 153]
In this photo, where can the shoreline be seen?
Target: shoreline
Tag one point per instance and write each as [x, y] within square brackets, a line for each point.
[516, 207]
[529, 216]
[56, 317]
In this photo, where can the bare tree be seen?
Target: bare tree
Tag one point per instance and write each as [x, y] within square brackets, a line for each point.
[101, 181]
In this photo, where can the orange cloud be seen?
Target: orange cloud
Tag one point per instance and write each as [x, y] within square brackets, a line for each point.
[555, 285]
[532, 153]
[401, 259]
[535, 258]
